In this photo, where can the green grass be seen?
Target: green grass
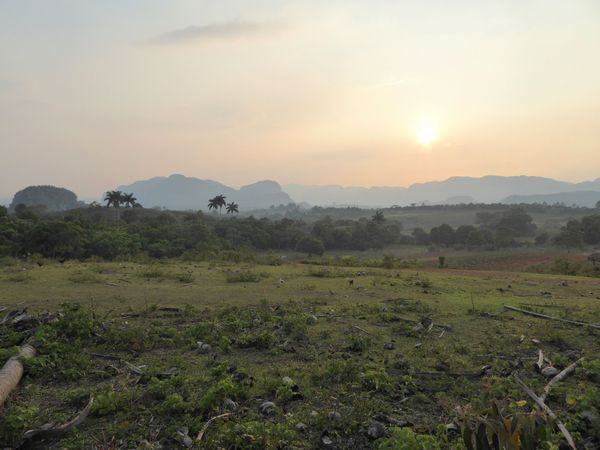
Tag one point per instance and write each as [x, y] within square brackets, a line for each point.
[253, 316]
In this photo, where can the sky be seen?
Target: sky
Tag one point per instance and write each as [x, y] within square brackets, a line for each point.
[95, 94]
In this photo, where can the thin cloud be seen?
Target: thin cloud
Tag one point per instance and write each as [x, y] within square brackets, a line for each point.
[214, 32]
[6, 85]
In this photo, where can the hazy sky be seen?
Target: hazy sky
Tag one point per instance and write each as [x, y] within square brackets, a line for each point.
[99, 93]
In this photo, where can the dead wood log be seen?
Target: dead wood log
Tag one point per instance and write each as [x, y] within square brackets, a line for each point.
[559, 377]
[547, 410]
[12, 371]
[208, 423]
[558, 319]
[52, 431]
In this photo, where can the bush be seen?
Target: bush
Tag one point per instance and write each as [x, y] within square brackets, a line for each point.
[246, 276]
[311, 246]
[407, 439]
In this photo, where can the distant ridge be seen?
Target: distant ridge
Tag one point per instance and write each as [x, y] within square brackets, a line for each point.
[487, 189]
[588, 199]
[179, 192]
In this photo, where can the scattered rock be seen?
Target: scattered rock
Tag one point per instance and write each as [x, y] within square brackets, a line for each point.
[536, 341]
[184, 438]
[287, 380]
[442, 367]
[325, 439]
[301, 427]
[313, 413]
[334, 416]
[203, 348]
[267, 408]
[549, 371]
[388, 346]
[589, 417]
[229, 405]
[418, 345]
[391, 420]
[376, 430]
[312, 319]
[564, 283]
[288, 346]
[452, 427]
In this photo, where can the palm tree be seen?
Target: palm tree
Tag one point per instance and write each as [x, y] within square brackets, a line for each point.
[129, 200]
[213, 203]
[221, 201]
[217, 202]
[114, 199]
[232, 208]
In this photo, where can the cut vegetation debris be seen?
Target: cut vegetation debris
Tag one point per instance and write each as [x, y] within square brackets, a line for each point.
[237, 361]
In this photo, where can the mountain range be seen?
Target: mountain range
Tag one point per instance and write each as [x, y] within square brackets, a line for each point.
[487, 189]
[181, 192]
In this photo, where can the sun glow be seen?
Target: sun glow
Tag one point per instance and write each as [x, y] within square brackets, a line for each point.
[426, 134]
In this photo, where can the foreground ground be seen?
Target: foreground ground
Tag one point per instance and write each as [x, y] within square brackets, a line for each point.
[298, 355]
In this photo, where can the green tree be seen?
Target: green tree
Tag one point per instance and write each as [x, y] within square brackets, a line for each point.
[56, 239]
[421, 236]
[310, 245]
[442, 235]
[570, 236]
[590, 227]
[378, 217]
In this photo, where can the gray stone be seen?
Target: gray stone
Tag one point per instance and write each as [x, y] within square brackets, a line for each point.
[334, 415]
[301, 427]
[376, 430]
[267, 408]
[203, 348]
[229, 405]
[589, 417]
[549, 371]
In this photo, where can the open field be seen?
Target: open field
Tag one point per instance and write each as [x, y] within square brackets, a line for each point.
[397, 347]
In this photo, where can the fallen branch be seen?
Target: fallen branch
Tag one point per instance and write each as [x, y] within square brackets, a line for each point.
[540, 361]
[362, 329]
[100, 355]
[50, 430]
[544, 316]
[547, 410]
[135, 369]
[12, 371]
[207, 424]
[559, 377]
[482, 372]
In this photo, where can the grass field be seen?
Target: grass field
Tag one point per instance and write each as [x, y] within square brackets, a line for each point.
[292, 344]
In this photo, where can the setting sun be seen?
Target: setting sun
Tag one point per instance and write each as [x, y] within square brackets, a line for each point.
[426, 134]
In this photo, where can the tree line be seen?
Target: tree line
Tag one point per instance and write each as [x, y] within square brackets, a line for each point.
[94, 232]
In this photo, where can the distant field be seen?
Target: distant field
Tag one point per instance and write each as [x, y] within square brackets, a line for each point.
[357, 353]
